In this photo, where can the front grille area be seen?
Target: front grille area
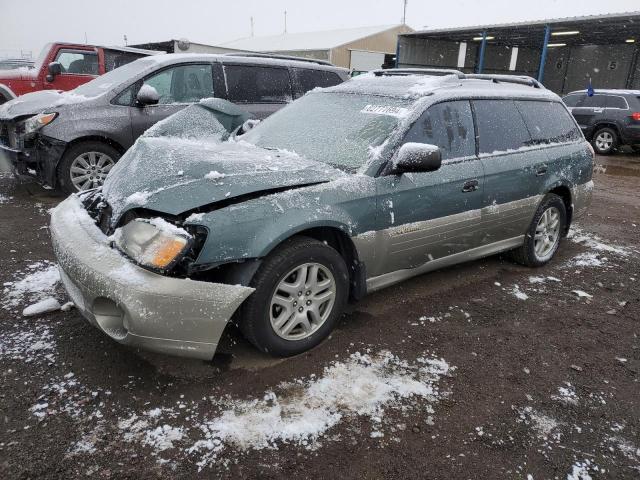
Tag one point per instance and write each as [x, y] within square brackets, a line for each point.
[10, 136]
[98, 209]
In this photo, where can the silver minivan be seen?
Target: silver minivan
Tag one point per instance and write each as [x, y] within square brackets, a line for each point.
[71, 140]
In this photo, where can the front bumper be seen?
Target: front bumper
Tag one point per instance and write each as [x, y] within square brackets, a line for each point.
[38, 157]
[132, 305]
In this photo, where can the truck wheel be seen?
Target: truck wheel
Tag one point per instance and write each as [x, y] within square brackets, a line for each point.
[544, 234]
[85, 166]
[301, 290]
[605, 141]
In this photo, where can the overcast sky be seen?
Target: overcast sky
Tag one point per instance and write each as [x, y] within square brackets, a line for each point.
[29, 24]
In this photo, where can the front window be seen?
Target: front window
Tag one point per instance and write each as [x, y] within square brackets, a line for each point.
[334, 128]
[78, 62]
[183, 84]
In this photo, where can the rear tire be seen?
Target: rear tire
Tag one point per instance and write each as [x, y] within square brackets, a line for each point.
[543, 237]
[85, 166]
[301, 290]
[605, 141]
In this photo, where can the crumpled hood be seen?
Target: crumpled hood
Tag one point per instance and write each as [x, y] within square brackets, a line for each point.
[38, 102]
[173, 176]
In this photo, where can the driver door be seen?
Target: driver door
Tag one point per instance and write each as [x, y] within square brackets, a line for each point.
[430, 215]
[178, 87]
[78, 67]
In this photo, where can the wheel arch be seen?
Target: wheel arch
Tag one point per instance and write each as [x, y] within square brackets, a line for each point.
[606, 124]
[564, 192]
[96, 138]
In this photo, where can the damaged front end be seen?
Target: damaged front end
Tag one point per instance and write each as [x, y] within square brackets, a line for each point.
[134, 305]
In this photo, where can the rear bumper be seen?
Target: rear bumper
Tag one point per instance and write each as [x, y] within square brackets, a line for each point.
[631, 135]
[132, 305]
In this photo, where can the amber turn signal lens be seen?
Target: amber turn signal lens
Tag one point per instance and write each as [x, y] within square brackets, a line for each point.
[168, 251]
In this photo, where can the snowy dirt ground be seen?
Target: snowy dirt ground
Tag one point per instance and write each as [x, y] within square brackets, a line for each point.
[485, 370]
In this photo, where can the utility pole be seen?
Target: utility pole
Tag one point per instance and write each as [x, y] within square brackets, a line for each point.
[404, 12]
[285, 21]
[125, 40]
[85, 38]
[252, 26]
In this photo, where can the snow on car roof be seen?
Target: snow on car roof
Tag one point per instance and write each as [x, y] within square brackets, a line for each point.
[416, 86]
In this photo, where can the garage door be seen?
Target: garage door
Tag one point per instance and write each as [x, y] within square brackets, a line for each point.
[363, 61]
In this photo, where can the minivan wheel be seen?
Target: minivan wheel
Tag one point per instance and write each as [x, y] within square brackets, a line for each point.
[301, 289]
[605, 141]
[544, 234]
[85, 166]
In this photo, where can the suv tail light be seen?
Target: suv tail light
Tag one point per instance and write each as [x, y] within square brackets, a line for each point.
[593, 152]
[636, 116]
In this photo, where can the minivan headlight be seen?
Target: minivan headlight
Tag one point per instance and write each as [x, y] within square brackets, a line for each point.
[153, 242]
[36, 122]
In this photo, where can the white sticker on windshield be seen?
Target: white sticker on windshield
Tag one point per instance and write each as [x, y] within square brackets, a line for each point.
[385, 110]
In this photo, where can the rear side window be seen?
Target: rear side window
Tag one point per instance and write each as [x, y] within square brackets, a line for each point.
[595, 101]
[500, 126]
[309, 79]
[572, 100]
[253, 84]
[114, 59]
[614, 101]
[548, 122]
[448, 125]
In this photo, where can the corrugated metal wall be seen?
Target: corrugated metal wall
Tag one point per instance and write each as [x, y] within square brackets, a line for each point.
[566, 68]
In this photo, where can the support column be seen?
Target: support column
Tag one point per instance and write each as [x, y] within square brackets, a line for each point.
[483, 47]
[543, 55]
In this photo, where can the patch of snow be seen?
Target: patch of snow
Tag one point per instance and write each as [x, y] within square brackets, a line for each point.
[49, 304]
[582, 294]
[594, 242]
[362, 386]
[520, 295]
[580, 470]
[566, 394]
[38, 282]
[214, 175]
[30, 345]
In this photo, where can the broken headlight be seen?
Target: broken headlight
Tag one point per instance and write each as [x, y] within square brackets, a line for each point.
[36, 122]
[153, 243]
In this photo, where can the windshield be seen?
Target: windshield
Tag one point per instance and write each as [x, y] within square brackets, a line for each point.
[42, 56]
[113, 78]
[335, 128]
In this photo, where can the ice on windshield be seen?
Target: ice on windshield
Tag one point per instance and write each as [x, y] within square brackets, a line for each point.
[334, 128]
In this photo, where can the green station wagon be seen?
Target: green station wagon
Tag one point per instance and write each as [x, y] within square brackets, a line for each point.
[347, 190]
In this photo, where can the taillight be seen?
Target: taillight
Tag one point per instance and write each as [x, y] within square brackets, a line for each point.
[636, 116]
[593, 153]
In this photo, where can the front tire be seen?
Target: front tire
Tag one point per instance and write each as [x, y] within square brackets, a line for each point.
[85, 166]
[605, 141]
[301, 290]
[543, 237]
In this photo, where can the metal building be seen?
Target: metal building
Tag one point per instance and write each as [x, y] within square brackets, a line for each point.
[361, 49]
[563, 54]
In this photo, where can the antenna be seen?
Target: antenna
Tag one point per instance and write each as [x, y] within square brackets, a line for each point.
[252, 26]
[404, 12]
[285, 21]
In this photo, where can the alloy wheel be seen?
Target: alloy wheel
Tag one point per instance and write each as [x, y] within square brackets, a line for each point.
[604, 141]
[547, 233]
[302, 301]
[89, 170]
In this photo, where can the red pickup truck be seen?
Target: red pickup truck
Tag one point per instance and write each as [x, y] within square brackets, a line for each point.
[64, 66]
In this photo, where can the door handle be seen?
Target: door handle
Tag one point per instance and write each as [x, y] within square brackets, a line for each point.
[542, 170]
[470, 186]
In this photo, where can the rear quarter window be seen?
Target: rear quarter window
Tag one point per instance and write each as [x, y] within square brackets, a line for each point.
[572, 100]
[257, 84]
[308, 79]
[548, 122]
[500, 126]
[614, 101]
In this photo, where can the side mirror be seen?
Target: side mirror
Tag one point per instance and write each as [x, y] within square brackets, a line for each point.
[147, 95]
[54, 69]
[417, 157]
[248, 125]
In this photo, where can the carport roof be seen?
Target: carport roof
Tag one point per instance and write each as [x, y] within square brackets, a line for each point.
[594, 30]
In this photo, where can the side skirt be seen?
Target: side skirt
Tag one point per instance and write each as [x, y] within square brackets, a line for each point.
[391, 278]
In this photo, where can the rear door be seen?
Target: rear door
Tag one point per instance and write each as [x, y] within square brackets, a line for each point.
[430, 215]
[262, 90]
[514, 169]
[78, 66]
[178, 86]
[588, 110]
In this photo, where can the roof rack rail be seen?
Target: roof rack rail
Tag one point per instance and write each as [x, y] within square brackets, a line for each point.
[418, 71]
[517, 79]
[280, 57]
